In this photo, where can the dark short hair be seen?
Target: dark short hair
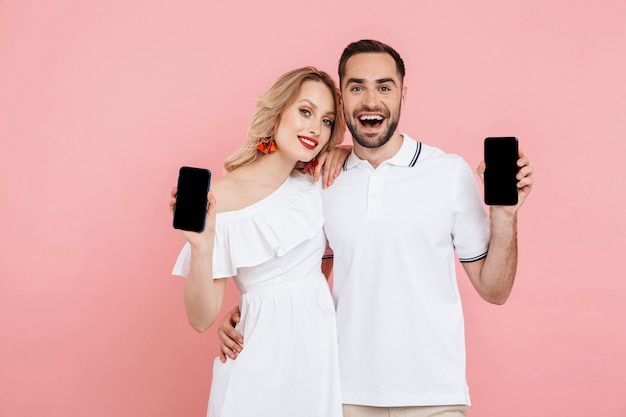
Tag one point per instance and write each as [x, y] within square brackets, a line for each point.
[369, 46]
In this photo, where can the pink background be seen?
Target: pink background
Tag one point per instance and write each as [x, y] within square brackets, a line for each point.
[101, 101]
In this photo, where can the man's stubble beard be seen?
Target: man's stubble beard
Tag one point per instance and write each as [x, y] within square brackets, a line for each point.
[363, 141]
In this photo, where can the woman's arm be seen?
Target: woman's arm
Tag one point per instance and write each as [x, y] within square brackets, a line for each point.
[203, 296]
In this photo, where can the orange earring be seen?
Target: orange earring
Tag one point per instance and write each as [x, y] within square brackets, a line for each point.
[310, 166]
[266, 145]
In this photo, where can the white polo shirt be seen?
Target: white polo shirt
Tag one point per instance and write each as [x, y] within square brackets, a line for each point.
[394, 231]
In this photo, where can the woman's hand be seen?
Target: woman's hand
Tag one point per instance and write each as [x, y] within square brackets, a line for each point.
[332, 161]
[196, 239]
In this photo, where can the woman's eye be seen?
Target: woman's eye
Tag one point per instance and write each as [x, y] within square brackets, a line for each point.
[305, 112]
[328, 122]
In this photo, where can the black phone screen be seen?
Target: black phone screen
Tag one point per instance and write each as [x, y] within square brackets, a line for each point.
[501, 155]
[191, 199]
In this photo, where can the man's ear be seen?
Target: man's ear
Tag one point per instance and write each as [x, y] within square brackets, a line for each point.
[404, 90]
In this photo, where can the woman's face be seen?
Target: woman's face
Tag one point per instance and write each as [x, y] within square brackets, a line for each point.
[306, 124]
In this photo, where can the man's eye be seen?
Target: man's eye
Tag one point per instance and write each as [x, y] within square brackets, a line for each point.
[385, 88]
[356, 88]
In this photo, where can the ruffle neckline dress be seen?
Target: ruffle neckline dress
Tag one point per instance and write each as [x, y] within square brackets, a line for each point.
[288, 366]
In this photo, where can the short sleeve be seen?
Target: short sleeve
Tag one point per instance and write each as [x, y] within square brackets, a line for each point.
[471, 226]
[181, 267]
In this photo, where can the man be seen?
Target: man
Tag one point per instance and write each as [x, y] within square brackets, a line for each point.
[394, 219]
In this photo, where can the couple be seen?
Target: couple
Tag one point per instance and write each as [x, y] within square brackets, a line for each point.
[394, 217]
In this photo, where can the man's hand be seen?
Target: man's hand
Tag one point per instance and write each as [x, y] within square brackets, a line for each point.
[524, 179]
[231, 341]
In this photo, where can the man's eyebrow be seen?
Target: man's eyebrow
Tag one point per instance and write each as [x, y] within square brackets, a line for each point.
[386, 80]
[355, 81]
[362, 81]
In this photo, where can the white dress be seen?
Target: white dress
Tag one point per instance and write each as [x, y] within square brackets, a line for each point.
[289, 364]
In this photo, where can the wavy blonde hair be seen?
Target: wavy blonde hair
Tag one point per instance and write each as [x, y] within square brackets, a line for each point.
[271, 106]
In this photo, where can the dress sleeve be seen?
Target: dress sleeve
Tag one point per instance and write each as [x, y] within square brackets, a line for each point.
[181, 267]
[183, 262]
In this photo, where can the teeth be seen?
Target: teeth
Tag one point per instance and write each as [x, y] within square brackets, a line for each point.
[307, 141]
[371, 117]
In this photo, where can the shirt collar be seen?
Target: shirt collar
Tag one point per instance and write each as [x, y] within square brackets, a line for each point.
[406, 156]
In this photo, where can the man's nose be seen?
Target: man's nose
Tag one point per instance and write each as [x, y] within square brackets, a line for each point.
[370, 99]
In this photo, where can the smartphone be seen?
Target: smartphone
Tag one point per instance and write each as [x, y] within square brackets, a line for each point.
[191, 198]
[501, 155]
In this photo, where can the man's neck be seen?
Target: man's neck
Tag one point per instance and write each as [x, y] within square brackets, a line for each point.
[376, 156]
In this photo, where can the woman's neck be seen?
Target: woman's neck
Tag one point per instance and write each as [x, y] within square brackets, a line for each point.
[270, 171]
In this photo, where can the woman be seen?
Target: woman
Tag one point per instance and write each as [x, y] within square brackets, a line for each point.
[264, 228]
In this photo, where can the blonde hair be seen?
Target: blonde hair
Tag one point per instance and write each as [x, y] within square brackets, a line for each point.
[272, 104]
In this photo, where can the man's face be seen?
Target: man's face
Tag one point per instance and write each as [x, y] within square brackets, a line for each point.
[372, 96]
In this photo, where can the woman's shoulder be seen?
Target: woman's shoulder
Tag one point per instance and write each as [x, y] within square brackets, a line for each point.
[240, 188]
[227, 192]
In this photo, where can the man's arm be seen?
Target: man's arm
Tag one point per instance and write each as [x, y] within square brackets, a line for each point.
[327, 267]
[493, 276]
[231, 341]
